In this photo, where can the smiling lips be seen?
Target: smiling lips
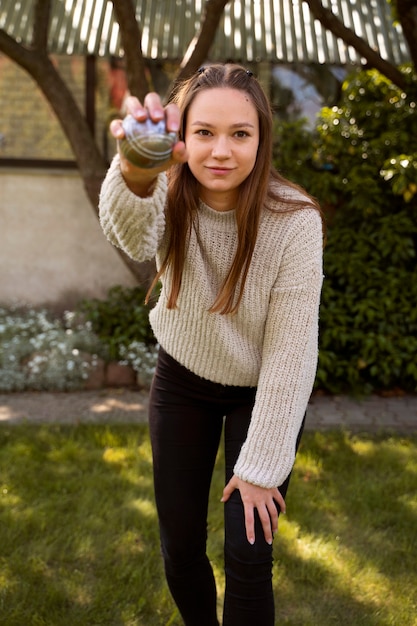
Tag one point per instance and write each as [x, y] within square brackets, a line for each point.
[220, 171]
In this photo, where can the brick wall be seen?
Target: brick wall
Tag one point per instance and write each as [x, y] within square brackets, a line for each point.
[28, 127]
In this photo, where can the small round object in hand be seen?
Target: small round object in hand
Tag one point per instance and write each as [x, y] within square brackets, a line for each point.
[146, 144]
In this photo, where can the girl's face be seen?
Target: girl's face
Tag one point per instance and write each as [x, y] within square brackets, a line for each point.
[222, 138]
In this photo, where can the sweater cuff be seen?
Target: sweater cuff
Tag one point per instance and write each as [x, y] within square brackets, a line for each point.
[130, 222]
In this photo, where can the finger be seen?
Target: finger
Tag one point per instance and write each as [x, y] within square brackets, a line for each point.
[154, 106]
[228, 490]
[173, 118]
[179, 153]
[226, 495]
[273, 516]
[278, 498]
[136, 109]
[116, 129]
[250, 524]
[266, 523]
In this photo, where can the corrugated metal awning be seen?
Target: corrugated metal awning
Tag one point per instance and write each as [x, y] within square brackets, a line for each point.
[250, 30]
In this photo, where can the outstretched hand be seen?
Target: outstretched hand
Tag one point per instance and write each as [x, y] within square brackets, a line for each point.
[261, 499]
[138, 179]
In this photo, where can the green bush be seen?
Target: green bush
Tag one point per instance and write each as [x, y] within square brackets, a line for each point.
[362, 166]
[119, 320]
[39, 352]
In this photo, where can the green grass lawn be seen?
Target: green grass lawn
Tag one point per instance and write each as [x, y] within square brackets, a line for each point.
[79, 538]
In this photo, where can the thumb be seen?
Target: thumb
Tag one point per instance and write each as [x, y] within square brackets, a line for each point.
[180, 153]
[228, 490]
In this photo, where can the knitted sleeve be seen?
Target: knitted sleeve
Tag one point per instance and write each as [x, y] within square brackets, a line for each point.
[134, 224]
[289, 358]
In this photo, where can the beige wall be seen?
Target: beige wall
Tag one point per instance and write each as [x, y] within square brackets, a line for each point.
[52, 249]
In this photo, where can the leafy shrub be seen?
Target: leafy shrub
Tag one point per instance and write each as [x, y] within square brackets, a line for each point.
[363, 170]
[293, 151]
[41, 353]
[142, 358]
[120, 319]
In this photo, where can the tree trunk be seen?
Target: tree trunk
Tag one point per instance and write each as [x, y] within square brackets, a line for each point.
[35, 61]
[91, 164]
[407, 16]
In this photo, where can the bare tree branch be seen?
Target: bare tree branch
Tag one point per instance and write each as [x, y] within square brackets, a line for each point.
[39, 66]
[200, 46]
[90, 162]
[131, 37]
[41, 18]
[18, 53]
[407, 15]
[336, 26]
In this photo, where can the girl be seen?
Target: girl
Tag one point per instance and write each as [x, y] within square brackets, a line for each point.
[239, 254]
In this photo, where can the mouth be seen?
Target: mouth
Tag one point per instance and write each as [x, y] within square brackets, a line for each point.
[220, 171]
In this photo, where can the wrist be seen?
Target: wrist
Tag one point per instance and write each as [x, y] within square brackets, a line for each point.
[142, 188]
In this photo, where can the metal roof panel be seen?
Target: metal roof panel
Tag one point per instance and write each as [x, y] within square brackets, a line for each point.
[250, 30]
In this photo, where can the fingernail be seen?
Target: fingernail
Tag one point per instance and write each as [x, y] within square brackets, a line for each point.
[251, 541]
[139, 114]
[269, 542]
[158, 115]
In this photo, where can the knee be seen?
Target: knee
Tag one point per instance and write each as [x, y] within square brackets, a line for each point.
[243, 560]
[246, 558]
[179, 555]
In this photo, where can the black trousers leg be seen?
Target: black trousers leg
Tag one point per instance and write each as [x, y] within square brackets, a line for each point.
[186, 419]
[185, 437]
[249, 596]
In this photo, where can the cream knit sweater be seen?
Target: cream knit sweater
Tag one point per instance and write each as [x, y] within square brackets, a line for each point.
[270, 343]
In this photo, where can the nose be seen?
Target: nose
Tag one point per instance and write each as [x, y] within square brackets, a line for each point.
[221, 148]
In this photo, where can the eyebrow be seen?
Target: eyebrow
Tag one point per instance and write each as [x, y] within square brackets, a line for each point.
[237, 125]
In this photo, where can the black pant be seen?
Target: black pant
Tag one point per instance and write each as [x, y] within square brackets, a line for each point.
[186, 419]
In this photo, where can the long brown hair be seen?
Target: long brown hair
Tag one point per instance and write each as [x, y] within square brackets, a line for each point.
[254, 194]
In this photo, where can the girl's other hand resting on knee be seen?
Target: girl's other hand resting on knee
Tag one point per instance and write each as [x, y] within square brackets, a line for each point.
[263, 500]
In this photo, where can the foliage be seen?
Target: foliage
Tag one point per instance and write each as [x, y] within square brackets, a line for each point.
[292, 150]
[142, 358]
[363, 169]
[79, 532]
[41, 353]
[362, 166]
[120, 319]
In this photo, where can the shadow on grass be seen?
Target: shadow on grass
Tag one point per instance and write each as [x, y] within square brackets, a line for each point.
[79, 539]
[79, 536]
[347, 550]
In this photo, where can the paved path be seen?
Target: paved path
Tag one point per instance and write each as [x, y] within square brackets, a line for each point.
[372, 414]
